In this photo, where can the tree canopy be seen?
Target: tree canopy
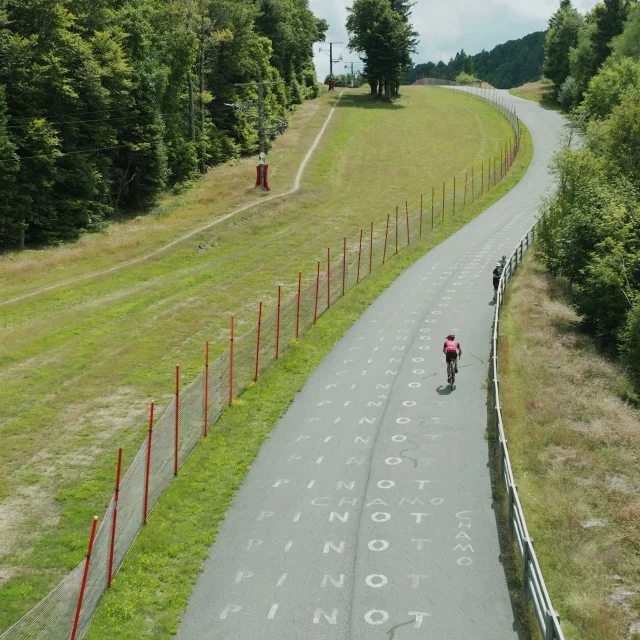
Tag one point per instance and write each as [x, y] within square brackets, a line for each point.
[508, 65]
[380, 31]
[104, 104]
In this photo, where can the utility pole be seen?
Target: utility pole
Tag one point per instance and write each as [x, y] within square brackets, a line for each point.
[262, 181]
[331, 61]
[352, 62]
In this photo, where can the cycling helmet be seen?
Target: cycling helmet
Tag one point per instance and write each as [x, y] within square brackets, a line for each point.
[451, 337]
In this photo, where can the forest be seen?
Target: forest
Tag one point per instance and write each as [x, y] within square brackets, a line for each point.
[104, 104]
[508, 65]
[591, 224]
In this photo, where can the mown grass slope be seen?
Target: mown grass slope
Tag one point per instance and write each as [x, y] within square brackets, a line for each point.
[78, 365]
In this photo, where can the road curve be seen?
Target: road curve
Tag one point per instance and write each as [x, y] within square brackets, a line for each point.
[368, 513]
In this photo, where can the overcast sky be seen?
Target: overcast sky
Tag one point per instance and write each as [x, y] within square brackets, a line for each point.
[447, 26]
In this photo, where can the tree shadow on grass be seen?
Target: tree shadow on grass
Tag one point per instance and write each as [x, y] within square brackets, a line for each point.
[365, 101]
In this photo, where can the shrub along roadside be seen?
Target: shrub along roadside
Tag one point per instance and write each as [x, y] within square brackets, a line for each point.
[574, 442]
[152, 589]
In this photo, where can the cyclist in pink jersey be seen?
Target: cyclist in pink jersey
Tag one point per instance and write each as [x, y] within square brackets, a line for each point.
[452, 351]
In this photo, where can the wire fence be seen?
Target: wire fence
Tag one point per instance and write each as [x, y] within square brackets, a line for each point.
[534, 588]
[66, 612]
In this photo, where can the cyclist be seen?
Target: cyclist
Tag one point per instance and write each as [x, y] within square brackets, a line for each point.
[497, 274]
[452, 351]
[503, 261]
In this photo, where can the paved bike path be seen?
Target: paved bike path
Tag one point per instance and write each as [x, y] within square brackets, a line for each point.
[368, 513]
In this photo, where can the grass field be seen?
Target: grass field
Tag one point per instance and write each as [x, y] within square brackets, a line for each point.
[574, 444]
[79, 365]
[539, 92]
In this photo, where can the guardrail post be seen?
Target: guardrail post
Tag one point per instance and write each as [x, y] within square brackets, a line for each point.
[551, 619]
[526, 558]
[511, 489]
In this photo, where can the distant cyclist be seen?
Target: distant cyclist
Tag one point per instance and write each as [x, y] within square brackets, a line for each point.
[497, 274]
[452, 351]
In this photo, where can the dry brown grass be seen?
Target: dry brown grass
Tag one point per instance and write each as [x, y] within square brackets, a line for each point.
[575, 443]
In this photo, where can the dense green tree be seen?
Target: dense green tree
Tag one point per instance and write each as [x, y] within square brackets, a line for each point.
[105, 103]
[610, 19]
[561, 38]
[627, 44]
[508, 65]
[385, 40]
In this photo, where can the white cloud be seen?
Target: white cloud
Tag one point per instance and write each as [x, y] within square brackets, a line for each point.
[448, 27]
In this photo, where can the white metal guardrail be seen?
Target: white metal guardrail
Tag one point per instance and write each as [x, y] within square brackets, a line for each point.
[534, 588]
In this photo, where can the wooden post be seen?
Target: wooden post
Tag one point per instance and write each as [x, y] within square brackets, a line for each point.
[473, 186]
[433, 205]
[397, 209]
[406, 206]
[466, 182]
[482, 180]
[421, 211]
[444, 184]
[454, 195]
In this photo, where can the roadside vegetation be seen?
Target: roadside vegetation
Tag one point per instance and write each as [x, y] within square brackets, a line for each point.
[79, 365]
[540, 92]
[574, 441]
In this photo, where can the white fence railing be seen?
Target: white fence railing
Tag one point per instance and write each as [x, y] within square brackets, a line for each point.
[534, 588]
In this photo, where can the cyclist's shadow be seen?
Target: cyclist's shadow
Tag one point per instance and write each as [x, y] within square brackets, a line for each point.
[446, 390]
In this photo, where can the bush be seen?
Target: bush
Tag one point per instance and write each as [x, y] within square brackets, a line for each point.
[466, 78]
[569, 94]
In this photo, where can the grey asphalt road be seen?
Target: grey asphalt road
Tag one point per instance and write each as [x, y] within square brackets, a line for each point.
[368, 513]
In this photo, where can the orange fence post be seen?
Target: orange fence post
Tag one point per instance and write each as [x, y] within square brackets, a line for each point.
[255, 377]
[114, 519]
[278, 323]
[371, 249]
[386, 237]
[328, 277]
[83, 585]
[145, 506]
[298, 305]
[454, 195]
[315, 311]
[231, 365]
[175, 450]
[466, 182]
[397, 209]
[359, 258]
[206, 388]
[406, 206]
[421, 210]
[344, 267]
[473, 186]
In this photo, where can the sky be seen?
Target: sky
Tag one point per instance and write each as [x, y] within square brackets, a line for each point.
[446, 27]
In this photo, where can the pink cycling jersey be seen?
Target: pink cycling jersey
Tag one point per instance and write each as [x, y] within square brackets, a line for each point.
[451, 346]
